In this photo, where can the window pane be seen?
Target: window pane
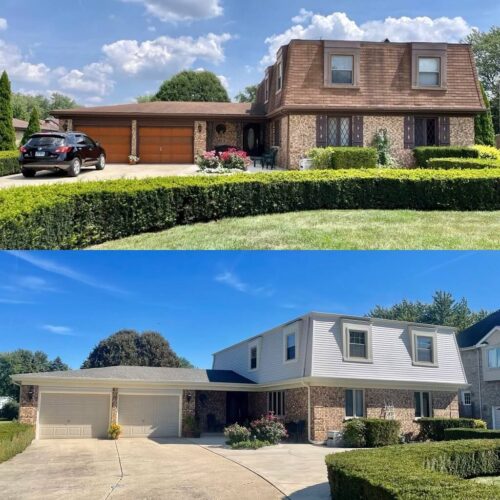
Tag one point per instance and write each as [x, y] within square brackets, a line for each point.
[418, 405]
[360, 407]
[424, 349]
[429, 65]
[493, 358]
[333, 128]
[426, 404]
[345, 63]
[253, 358]
[349, 403]
[345, 132]
[467, 398]
[357, 344]
[342, 77]
[429, 79]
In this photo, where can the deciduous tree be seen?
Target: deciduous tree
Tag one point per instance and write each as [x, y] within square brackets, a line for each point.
[197, 86]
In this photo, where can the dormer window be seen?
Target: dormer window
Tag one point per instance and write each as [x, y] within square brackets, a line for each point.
[290, 347]
[279, 76]
[291, 343]
[357, 340]
[254, 355]
[429, 71]
[343, 70]
[357, 344]
[342, 64]
[424, 347]
[494, 358]
[429, 66]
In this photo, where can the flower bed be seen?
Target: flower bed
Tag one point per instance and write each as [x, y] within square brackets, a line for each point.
[14, 439]
[265, 431]
[229, 161]
[67, 216]
[9, 163]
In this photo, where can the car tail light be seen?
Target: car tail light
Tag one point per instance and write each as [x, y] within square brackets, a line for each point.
[23, 149]
[64, 149]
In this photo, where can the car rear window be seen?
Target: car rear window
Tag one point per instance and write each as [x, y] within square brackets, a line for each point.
[46, 141]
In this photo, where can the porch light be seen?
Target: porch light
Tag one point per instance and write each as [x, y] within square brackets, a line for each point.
[189, 397]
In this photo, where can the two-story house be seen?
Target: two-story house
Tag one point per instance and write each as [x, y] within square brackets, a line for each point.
[480, 350]
[319, 369]
[318, 93]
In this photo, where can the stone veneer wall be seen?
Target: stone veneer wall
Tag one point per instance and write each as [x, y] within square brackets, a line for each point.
[462, 131]
[282, 158]
[257, 404]
[302, 137]
[211, 403]
[114, 406]
[200, 138]
[232, 137]
[133, 139]
[28, 407]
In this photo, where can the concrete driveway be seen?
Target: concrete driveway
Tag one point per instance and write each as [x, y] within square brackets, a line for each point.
[114, 171]
[128, 469]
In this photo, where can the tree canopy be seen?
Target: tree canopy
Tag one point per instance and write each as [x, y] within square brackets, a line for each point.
[33, 126]
[23, 104]
[7, 133]
[483, 125]
[443, 310]
[197, 86]
[24, 361]
[248, 95]
[131, 348]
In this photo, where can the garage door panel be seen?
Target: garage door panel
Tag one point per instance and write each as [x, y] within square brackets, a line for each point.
[115, 140]
[166, 145]
[149, 416]
[71, 416]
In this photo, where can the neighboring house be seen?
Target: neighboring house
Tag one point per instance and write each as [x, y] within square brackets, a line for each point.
[319, 369]
[20, 126]
[480, 349]
[318, 93]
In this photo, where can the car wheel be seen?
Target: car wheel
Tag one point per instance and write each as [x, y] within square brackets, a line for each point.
[75, 168]
[28, 172]
[101, 164]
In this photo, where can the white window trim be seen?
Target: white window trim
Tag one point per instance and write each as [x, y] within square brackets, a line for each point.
[283, 404]
[280, 64]
[431, 403]
[267, 87]
[287, 331]
[416, 332]
[354, 403]
[470, 398]
[362, 326]
[251, 345]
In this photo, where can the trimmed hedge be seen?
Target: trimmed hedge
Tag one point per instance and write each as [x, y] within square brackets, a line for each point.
[9, 163]
[343, 157]
[456, 163]
[433, 428]
[381, 432]
[14, 439]
[424, 154]
[66, 216]
[456, 434]
[427, 470]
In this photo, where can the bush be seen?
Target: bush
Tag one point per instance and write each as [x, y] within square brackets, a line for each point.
[269, 429]
[345, 157]
[381, 432]
[9, 163]
[457, 434]
[424, 154]
[487, 152]
[382, 144]
[433, 428]
[457, 163]
[253, 444]
[426, 470]
[10, 410]
[233, 159]
[14, 439]
[114, 431]
[236, 434]
[354, 434]
[67, 216]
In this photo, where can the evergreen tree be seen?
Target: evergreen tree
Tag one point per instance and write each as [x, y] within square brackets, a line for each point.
[33, 126]
[485, 132]
[7, 133]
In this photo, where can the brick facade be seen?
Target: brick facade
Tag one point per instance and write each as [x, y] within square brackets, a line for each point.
[28, 407]
[210, 403]
[233, 136]
[200, 138]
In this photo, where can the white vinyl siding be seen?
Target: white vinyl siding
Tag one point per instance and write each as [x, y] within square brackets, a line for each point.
[73, 416]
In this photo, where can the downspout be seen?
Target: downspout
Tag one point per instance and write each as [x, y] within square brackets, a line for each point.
[479, 375]
[308, 385]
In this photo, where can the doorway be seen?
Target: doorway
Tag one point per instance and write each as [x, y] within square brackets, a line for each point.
[252, 139]
[237, 408]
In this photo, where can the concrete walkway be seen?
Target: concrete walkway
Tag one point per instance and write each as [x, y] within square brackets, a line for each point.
[298, 470]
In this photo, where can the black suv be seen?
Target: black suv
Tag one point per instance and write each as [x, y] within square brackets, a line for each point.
[65, 151]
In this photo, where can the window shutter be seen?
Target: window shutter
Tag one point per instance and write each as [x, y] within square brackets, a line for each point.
[357, 131]
[210, 136]
[444, 131]
[409, 132]
[321, 131]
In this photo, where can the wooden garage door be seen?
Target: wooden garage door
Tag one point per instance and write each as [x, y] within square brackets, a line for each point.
[166, 145]
[115, 140]
[149, 416]
[74, 416]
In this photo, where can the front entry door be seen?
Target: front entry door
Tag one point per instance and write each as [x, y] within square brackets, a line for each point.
[237, 408]
[252, 139]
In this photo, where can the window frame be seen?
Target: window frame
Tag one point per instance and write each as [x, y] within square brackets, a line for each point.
[430, 50]
[280, 74]
[287, 332]
[354, 405]
[341, 48]
[426, 119]
[415, 333]
[497, 351]
[430, 402]
[351, 71]
[420, 72]
[267, 87]
[251, 346]
[276, 400]
[358, 326]
[339, 134]
[470, 398]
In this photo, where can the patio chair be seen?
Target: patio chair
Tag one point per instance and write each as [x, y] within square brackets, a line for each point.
[269, 159]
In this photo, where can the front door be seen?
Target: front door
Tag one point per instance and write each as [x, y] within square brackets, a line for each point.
[252, 139]
[237, 408]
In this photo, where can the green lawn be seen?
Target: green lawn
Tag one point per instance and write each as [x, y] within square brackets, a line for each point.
[330, 230]
[488, 480]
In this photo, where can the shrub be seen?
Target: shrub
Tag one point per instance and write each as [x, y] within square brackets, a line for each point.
[253, 444]
[354, 434]
[10, 410]
[269, 429]
[14, 439]
[424, 154]
[236, 434]
[9, 163]
[343, 158]
[381, 432]
[457, 163]
[114, 431]
[66, 216]
[426, 470]
[487, 152]
[382, 143]
[457, 434]
[234, 159]
[433, 428]
[208, 160]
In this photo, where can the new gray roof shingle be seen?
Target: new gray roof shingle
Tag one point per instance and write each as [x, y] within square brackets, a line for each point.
[148, 374]
[472, 335]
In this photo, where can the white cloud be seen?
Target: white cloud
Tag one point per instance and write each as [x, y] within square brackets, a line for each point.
[94, 78]
[59, 330]
[224, 80]
[3, 24]
[181, 10]
[338, 26]
[12, 60]
[231, 280]
[165, 55]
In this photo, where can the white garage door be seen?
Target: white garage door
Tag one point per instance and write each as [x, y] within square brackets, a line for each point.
[73, 416]
[149, 416]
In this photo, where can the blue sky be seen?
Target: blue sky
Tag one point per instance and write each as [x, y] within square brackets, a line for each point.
[111, 51]
[65, 302]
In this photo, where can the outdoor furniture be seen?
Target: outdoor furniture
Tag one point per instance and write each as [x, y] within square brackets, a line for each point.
[296, 430]
[269, 159]
[256, 160]
[213, 425]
